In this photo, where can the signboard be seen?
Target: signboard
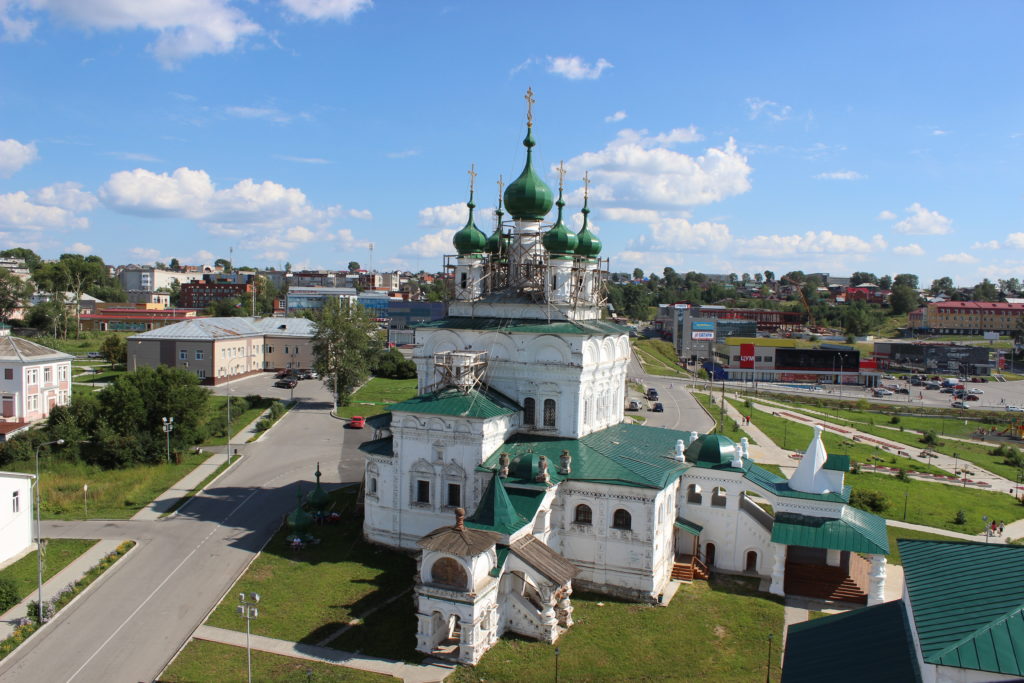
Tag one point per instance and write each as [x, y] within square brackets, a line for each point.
[746, 356]
[991, 336]
[682, 307]
[703, 325]
[703, 336]
[797, 377]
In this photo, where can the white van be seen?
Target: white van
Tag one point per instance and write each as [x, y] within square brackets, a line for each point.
[633, 404]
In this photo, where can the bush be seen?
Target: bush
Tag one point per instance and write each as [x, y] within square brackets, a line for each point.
[8, 595]
[961, 517]
[902, 475]
[872, 501]
[930, 438]
[264, 424]
[895, 419]
[276, 410]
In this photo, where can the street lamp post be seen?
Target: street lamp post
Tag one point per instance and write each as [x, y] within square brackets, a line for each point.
[39, 538]
[248, 611]
[557, 652]
[906, 499]
[768, 667]
[85, 494]
[168, 428]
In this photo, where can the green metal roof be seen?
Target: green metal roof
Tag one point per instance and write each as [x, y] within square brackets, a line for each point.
[451, 401]
[712, 451]
[687, 525]
[378, 446]
[866, 644]
[528, 196]
[855, 530]
[496, 511]
[528, 326]
[968, 603]
[502, 552]
[623, 454]
[839, 463]
[773, 483]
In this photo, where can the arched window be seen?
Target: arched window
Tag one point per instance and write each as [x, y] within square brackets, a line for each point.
[373, 485]
[718, 497]
[462, 281]
[529, 412]
[584, 515]
[549, 412]
[448, 572]
[693, 495]
[622, 520]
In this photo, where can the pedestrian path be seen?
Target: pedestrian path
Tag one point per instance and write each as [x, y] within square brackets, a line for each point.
[57, 583]
[765, 451]
[428, 672]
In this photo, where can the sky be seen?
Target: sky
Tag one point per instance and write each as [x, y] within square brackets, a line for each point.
[719, 137]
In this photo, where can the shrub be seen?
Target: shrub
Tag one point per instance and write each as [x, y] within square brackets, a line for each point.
[8, 595]
[855, 469]
[872, 501]
[895, 419]
[930, 438]
[961, 517]
[276, 410]
[902, 475]
[264, 424]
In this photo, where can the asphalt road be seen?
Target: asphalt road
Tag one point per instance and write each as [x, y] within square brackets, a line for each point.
[134, 621]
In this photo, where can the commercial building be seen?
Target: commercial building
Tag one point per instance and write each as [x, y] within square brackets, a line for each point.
[33, 379]
[299, 299]
[217, 350]
[934, 358]
[696, 329]
[779, 360]
[150, 278]
[967, 317]
[140, 317]
[216, 286]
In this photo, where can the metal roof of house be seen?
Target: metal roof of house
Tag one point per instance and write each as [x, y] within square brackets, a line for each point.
[495, 512]
[967, 602]
[544, 559]
[854, 530]
[773, 483]
[480, 403]
[212, 329]
[462, 542]
[19, 350]
[378, 446]
[687, 525]
[866, 644]
[528, 326]
[623, 454]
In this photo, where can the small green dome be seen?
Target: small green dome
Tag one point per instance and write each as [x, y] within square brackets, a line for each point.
[528, 197]
[589, 246]
[559, 241]
[470, 240]
[318, 499]
[711, 450]
[497, 243]
[298, 519]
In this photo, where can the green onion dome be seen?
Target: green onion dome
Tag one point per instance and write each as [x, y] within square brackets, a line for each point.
[589, 246]
[496, 242]
[470, 240]
[528, 197]
[318, 499]
[298, 519]
[559, 241]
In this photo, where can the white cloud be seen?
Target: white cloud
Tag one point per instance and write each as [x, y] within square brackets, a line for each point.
[431, 246]
[200, 257]
[921, 221]
[909, 250]
[617, 116]
[146, 255]
[301, 160]
[994, 244]
[451, 215]
[404, 154]
[962, 257]
[15, 155]
[66, 196]
[1015, 240]
[840, 175]
[679, 234]
[574, 68]
[812, 242]
[361, 214]
[80, 248]
[631, 215]
[18, 211]
[264, 210]
[321, 10]
[134, 156]
[299, 234]
[939, 131]
[267, 113]
[184, 28]
[768, 109]
[522, 65]
[887, 216]
[637, 168]
[272, 255]
[347, 240]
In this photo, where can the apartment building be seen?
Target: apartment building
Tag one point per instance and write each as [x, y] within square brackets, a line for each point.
[967, 317]
[33, 379]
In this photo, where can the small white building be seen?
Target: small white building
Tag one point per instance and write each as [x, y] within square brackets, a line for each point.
[33, 379]
[15, 514]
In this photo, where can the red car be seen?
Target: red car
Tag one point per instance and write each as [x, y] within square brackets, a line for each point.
[357, 422]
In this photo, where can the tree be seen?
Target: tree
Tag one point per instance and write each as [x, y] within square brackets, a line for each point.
[769, 276]
[758, 278]
[860, 277]
[903, 299]
[224, 264]
[344, 344]
[1010, 287]
[32, 259]
[14, 292]
[288, 266]
[175, 264]
[72, 273]
[638, 274]
[115, 349]
[856, 320]
[231, 307]
[394, 365]
[985, 291]
[944, 285]
[885, 282]
[745, 277]
[353, 266]
[905, 280]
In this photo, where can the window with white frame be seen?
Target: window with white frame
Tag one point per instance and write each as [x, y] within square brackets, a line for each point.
[47, 375]
[33, 402]
[201, 374]
[62, 373]
[183, 354]
[32, 376]
[15, 502]
[199, 354]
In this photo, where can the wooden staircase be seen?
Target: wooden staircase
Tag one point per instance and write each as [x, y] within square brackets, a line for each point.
[829, 583]
[688, 568]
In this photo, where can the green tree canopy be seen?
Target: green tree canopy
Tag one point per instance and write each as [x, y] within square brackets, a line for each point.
[353, 266]
[903, 299]
[905, 280]
[32, 259]
[14, 293]
[344, 345]
[944, 285]
[115, 349]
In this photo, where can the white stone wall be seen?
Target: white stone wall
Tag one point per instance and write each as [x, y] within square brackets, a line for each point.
[15, 525]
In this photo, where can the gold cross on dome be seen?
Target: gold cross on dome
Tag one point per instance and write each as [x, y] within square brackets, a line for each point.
[586, 184]
[501, 186]
[472, 176]
[529, 107]
[561, 174]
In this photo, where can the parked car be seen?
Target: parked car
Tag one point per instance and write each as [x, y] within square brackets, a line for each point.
[931, 385]
[634, 404]
[916, 382]
[286, 383]
[281, 374]
[972, 397]
[903, 390]
[357, 422]
[974, 390]
[1014, 409]
[888, 377]
[958, 404]
[94, 354]
[946, 390]
[882, 392]
[652, 394]
[658, 408]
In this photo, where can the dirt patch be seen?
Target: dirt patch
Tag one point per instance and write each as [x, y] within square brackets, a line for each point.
[719, 632]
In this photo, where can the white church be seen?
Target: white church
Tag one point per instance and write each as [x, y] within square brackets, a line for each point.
[516, 478]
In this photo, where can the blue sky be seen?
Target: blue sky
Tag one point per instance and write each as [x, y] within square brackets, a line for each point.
[720, 137]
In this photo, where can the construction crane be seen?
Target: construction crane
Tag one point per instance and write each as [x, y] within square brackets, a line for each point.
[803, 300]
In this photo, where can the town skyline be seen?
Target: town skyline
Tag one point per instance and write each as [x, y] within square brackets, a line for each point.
[719, 140]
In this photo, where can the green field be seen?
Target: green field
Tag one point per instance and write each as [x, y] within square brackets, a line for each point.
[205, 662]
[58, 553]
[218, 404]
[658, 357]
[731, 428]
[113, 494]
[376, 395]
[710, 632]
[895, 532]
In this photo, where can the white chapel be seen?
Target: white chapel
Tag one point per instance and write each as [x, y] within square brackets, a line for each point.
[515, 477]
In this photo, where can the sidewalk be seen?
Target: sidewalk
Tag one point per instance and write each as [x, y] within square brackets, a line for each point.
[413, 673]
[765, 451]
[71, 573]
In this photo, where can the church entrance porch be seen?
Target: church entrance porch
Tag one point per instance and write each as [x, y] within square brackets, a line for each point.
[450, 631]
[689, 563]
[826, 574]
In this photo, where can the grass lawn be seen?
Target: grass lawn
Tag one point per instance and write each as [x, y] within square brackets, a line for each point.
[59, 553]
[202, 661]
[710, 632]
[376, 395]
[891, 326]
[658, 357]
[101, 378]
[309, 594]
[238, 422]
[113, 494]
[732, 428]
[87, 341]
[896, 532]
